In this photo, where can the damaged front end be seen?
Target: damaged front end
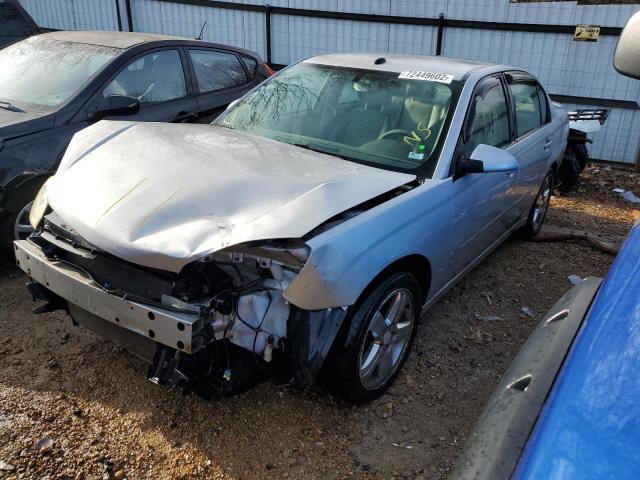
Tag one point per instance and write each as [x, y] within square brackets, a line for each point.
[217, 327]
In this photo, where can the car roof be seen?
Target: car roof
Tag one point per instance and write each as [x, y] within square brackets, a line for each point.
[397, 63]
[106, 38]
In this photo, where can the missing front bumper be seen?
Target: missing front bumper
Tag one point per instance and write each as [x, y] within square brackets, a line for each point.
[173, 329]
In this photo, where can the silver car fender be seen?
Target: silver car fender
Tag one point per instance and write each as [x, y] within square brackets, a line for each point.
[347, 258]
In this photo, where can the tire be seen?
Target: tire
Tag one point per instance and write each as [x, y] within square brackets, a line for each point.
[15, 205]
[363, 364]
[539, 209]
[582, 154]
[569, 171]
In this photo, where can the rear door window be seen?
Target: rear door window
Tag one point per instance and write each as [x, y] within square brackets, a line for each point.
[12, 24]
[530, 109]
[216, 70]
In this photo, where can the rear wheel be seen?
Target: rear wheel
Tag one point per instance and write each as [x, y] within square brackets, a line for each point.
[538, 211]
[376, 339]
[582, 154]
[573, 163]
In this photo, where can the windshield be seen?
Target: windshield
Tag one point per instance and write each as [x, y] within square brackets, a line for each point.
[371, 117]
[40, 73]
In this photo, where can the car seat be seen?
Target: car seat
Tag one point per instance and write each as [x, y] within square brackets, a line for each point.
[366, 121]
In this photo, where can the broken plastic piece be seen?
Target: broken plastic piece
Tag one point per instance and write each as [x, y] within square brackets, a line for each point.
[575, 279]
[627, 195]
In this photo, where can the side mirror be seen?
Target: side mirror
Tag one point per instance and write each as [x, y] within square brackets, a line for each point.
[626, 59]
[488, 159]
[116, 105]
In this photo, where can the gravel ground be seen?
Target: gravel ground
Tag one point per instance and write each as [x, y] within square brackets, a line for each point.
[75, 406]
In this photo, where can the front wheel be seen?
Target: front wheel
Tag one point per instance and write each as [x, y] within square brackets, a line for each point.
[376, 339]
[15, 226]
[538, 211]
[22, 227]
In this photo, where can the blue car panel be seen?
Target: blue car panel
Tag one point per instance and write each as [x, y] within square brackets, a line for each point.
[590, 425]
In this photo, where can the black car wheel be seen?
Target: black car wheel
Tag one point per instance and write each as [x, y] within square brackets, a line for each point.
[15, 226]
[375, 340]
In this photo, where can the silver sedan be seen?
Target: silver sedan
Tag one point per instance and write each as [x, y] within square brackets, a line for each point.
[306, 230]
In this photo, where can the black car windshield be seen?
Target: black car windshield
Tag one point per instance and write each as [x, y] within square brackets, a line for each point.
[41, 74]
[389, 120]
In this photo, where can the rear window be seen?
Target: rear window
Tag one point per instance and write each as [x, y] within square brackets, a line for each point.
[12, 24]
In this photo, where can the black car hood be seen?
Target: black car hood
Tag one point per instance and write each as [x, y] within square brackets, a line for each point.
[16, 124]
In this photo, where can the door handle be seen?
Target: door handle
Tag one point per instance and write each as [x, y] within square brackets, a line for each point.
[185, 117]
[547, 144]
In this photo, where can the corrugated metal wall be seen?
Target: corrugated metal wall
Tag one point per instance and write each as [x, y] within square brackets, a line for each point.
[565, 67]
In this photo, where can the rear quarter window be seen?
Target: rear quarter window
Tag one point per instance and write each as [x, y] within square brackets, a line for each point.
[251, 65]
[544, 105]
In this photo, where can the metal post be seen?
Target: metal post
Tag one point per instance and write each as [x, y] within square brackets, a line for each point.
[439, 35]
[118, 15]
[267, 27]
[129, 15]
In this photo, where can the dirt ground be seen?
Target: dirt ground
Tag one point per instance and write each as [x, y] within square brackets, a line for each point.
[75, 406]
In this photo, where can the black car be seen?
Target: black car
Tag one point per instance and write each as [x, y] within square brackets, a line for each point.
[54, 84]
[15, 23]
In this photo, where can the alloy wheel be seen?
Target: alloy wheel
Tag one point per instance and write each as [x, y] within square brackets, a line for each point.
[542, 204]
[387, 338]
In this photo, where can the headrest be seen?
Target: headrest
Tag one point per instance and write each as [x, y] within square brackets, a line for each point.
[421, 90]
[376, 97]
[418, 111]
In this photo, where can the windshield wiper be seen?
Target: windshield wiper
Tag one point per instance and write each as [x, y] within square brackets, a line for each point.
[306, 146]
[8, 106]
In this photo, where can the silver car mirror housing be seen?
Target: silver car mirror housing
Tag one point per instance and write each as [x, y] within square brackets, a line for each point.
[626, 59]
[488, 159]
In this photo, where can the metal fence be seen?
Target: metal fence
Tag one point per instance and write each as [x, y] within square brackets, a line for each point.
[535, 36]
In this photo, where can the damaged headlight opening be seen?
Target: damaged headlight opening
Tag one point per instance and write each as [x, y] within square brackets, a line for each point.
[250, 310]
[214, 327]
[39, 207]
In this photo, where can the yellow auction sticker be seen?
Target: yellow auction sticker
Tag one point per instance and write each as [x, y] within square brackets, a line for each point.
[586, 33]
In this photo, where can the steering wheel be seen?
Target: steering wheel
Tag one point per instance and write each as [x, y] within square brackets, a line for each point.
[395, 132]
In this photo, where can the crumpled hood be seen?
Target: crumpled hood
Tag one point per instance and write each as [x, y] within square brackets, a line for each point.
[163, 195]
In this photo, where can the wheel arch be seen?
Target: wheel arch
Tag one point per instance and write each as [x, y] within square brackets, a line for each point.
[22, 181]
[414, 263]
